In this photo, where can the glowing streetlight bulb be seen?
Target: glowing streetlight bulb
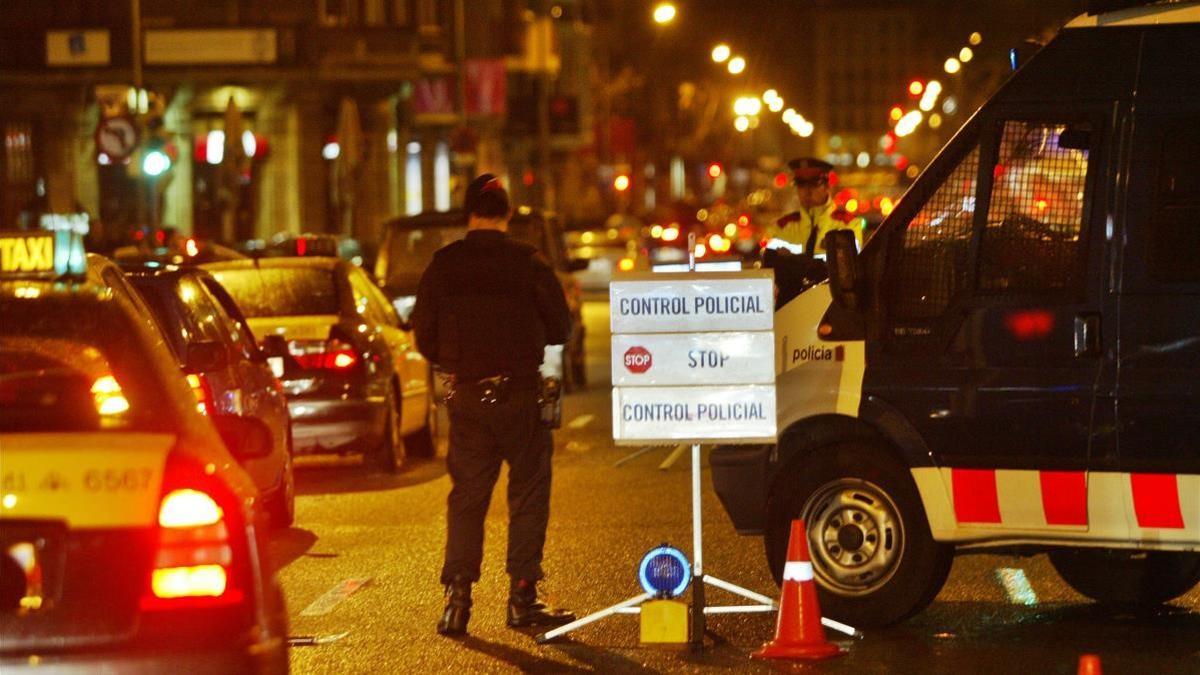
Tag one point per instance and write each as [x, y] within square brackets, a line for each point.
[737, 65]
[952, 65]
[966, 54]
[742, 123]
[721, 53]
[975, 38]
[664, 13]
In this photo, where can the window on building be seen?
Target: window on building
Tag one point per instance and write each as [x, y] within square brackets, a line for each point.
[1032, 242]
[933, 252]
[1175, 224]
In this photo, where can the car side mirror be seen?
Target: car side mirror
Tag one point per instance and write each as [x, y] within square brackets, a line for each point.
[578, 264]
[841, 254]
[244, 437]
[205, 356]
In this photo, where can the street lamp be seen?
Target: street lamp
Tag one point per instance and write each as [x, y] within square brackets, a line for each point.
[736, 65]
[721, 53]
[664, 13]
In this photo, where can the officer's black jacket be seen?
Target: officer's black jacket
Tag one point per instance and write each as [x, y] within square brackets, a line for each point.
[488, 305]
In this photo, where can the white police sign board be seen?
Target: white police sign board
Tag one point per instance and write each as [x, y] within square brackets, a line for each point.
[693, 358]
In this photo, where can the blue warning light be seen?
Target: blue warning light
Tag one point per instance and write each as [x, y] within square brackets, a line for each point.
[665, 572]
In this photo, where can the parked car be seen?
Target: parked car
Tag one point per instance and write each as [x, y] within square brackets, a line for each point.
[227, 370]
[353, 377]
[131, 538]
[408, 245]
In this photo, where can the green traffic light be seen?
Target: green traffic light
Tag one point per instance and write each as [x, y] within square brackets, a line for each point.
[155, 163]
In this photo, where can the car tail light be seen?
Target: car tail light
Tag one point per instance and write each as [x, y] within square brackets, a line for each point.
[332, 354]
[196, 560]
[202, 391]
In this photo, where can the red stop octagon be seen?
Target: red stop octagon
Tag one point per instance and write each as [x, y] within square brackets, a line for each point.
[638, 360]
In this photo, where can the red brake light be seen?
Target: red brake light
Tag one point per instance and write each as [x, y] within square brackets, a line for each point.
[333, 354]
[194, 563]
[202, 391]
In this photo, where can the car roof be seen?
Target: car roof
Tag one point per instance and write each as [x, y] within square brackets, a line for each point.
[312, 262]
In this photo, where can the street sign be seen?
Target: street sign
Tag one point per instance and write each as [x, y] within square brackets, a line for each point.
[689, 302]
[116, 137]
[693, 358]
[662, 359]
[741, 413]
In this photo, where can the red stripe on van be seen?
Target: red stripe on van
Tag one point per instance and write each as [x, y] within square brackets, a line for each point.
[975, 498]
[1156, 500]
[1064, 497]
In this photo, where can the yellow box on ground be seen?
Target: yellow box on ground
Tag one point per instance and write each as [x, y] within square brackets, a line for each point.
[664, 622]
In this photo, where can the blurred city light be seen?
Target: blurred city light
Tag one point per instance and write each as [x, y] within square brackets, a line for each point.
[788, 115]
[155, 163]
[670, 234]
[721, 53]
[916, 87]
[775, 104]
[896, 113]
[736, 65]
[806, 129]
[714, 172]
[950, 105]
[935, 121]
[769, 95]
[965, 54]
[908, 123]
[621, 183]
[664, 13]
[331, 150]
[886, 205]
[975, 39]
[952, 65]
[656, 231]
[730, 229]
[741, 123]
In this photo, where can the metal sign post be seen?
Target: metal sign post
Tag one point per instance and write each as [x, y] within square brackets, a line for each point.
[693, 363]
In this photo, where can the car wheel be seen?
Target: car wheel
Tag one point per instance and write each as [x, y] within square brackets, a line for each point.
[1127, 577]
[389, 453]
[874, 559]
[282, 506]
[421, 443]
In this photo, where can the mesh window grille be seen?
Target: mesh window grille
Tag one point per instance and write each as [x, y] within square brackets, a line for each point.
[1035, 214]
[934, 251]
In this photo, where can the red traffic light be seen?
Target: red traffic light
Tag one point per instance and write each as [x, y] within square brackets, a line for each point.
[714, 170]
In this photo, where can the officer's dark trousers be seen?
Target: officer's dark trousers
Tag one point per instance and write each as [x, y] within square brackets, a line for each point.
[482, 435]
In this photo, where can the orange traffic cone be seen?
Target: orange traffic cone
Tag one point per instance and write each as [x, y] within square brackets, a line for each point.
[1089, 664]
[798, 630]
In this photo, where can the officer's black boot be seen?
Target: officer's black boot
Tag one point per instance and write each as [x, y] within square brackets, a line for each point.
[524, 609]
[458, 608]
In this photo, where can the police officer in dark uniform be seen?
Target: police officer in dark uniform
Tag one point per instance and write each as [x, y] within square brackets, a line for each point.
[486, 308]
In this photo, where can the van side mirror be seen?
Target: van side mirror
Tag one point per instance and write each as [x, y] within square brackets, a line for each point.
[205, 356]
[841, 254]
[244, 437]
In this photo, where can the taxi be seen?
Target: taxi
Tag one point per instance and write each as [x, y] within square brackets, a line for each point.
[130, 539]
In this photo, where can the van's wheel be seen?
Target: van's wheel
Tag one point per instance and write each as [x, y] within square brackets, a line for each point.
[421, 443]
[1127, 577]
[389, 453]
[874, 559]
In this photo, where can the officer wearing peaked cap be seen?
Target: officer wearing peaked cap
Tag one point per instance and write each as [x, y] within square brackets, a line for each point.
[818, 213]
[486, 308]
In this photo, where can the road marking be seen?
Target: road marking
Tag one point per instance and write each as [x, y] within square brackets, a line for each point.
[671, 458]
[580, 422]
[334, 596]
[1016, 584]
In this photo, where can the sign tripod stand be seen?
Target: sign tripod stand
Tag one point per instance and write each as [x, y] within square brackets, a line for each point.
[699, 607]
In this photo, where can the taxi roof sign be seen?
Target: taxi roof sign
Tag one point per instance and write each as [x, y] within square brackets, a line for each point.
[41, 255]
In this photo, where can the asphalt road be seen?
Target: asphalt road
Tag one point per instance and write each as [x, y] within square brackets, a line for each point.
[360, 571]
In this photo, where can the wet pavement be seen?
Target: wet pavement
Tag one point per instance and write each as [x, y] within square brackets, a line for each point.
[360, 571]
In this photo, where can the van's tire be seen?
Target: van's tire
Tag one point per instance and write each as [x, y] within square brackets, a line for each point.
[422, 443]
[1127, 577]
[388, 454]
[875, 561]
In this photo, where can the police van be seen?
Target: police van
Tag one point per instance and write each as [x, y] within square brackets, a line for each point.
[130, 538]
[1013, 361]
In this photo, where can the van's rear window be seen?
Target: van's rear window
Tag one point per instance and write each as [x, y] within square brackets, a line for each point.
[294, 291]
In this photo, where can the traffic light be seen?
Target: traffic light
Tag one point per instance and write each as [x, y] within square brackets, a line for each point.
[915, 88]
[714, 170]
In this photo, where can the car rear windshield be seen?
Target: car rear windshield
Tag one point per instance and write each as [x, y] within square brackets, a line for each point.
[72, 368]
[282, 291]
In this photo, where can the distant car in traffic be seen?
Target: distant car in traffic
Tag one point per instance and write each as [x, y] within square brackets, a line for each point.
[408, 245]
[353, 377]
[605, 257]
[226, 369]
[130, 538]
